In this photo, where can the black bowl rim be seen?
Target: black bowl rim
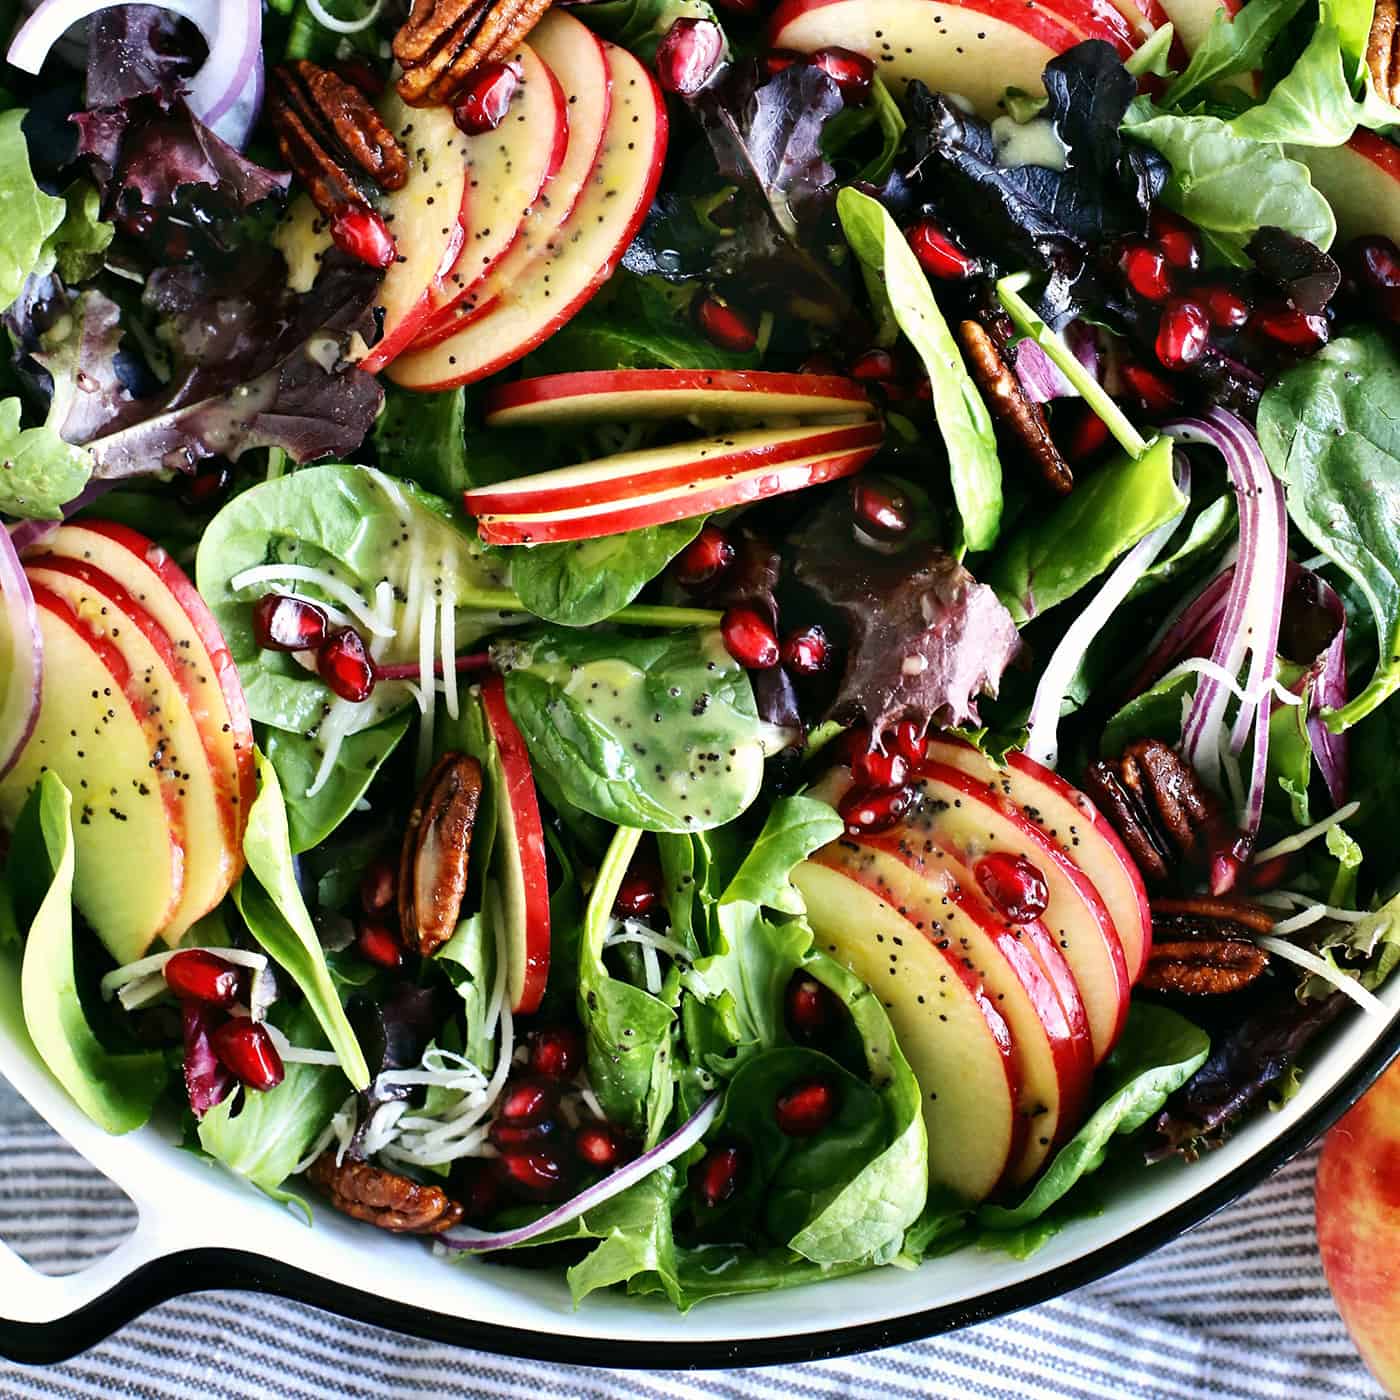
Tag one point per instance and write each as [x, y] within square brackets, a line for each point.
[204, 1270]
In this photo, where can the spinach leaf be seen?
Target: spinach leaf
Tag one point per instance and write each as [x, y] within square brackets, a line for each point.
[28, 215]
[1158, 1052]
[1156, 713]
[579, 583]
[39, 472]
[311, 820]
[271, 904]
[1330, 430]
[1050, 558]
[1235, 44]
[117, 1091]
[653, 732]
[423, 438]
[271, 1132]
[963, 418]
[1230, 186]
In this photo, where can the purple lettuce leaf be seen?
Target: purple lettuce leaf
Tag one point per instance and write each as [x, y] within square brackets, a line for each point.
[137, 49]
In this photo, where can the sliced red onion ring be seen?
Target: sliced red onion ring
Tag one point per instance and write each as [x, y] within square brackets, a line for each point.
[227, 91]
[681, 1141]
[22, 648]
[1327, 673]
[1040, 377]
[1190, 631]
[1042, 743]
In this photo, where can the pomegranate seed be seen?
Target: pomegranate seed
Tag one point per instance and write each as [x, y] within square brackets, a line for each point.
[852, 72]
[938, 255]
[556, 1052]
[1227, 308]
[479, 1190]
[195, 975]
[600, 1145]
[705, 558]
[810, 1007]
[207, 1082]
[1270, 873]
[246, 1050]
[482, 103]
[715, 1177]
[1183, 334]
[528, 1101]
[688, 54]
[1178, 239]
[207, 487]
[379, 944]
[806, 652]
[873, 811]
[805, 1108]
[507, 1136]
[364, 235]
[288, 624]
[876, 365]
[1377, 262]
[639, 890]
[879, 771]
[343, 663]
[881, 508]
[910, 741]
[538, 1172]
[378, 886]
[360, 75]
[1292, 328]
[1016, 888]
[1152, 392]
[1087, 437]
[749, 639]
[777, 61]
[1146, 271]
[724, 325]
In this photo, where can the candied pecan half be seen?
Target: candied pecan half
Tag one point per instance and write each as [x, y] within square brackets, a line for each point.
[436, 851]
[1382, 55]
[1201, 946]
[443, 40]
[1019, 415]
[384, 1198]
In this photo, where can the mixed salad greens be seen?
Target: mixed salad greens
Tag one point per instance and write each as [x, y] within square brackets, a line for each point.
[734, 646]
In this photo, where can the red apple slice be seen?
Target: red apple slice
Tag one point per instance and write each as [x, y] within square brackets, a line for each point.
[1070, 819]
[590, 396]
[578, 259]
[574, 56]
[677, 503]
[161, 586]
[428, 219]
[178, 757]
[1360, 180]
[956, 1040]
[629, 475]
[521, 853]
[506, 171]
[127, 825]
[939, 897]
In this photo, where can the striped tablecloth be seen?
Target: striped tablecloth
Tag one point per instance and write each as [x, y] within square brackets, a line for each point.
[1238, 1309]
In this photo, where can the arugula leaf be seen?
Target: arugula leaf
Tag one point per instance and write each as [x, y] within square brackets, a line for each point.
[1157, 1053]
[578, 584]
[1330, 430]
[28, 215]
[117, 1091]
[1051, 558]
[1235, 43]
[39, 472]
[964, 421]
[271, 904]
[422, 438]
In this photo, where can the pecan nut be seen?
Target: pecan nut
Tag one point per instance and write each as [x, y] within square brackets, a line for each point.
[1201, 946]
[436, 852]
[1020, 416]
[1382, 53]
[333, 139]
[384, 1198]
[443, 40]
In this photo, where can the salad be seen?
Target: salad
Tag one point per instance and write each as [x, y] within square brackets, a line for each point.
[705, 647]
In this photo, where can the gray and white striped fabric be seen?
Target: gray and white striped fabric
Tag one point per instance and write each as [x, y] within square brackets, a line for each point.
[1238, 1309]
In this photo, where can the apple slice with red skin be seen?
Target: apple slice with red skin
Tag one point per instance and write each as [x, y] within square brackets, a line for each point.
[591, 396]
[1360, 180]
[675, 503]
[629, 475]
[524, 872]
[575, 58]
[939, 896]
[127, 826]
[1080, 830]
[578, 259]
[208, 673]
[955, 1039]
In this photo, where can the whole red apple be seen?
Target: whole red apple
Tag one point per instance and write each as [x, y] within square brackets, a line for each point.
[1358, 1224]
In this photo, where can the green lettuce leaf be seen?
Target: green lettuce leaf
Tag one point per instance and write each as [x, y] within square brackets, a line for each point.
[39, 472]
[28, 215]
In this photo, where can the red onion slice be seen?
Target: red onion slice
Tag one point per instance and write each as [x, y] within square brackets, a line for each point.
[681, 1141]
[22, 647]
[1038, 373]
[227, 91]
